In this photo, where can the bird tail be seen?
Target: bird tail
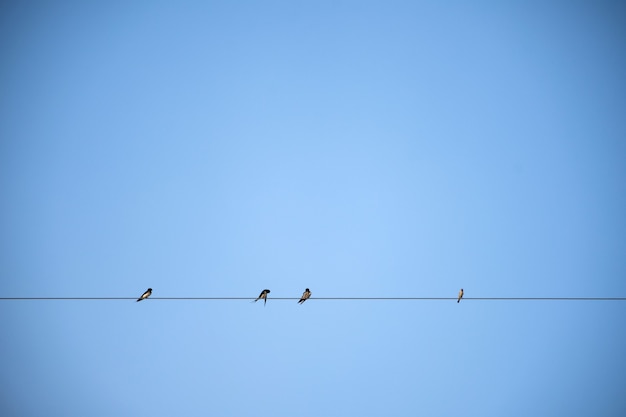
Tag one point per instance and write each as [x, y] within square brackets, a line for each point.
[139, 299]
[458, 301]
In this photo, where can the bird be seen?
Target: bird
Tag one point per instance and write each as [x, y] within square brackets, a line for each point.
[305, 296]
[460, 296]
[263, 296]
[145, 295]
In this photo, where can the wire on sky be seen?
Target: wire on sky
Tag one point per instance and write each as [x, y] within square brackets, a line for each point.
[328, 298]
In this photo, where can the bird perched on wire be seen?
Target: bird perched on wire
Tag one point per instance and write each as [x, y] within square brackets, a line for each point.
[460, 296]
[145, 294]
[305, 296]
[263, 296]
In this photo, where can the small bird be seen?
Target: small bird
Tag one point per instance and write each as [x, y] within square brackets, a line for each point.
[145, 295]
[460, 296]
[263, 296]
[305, 296]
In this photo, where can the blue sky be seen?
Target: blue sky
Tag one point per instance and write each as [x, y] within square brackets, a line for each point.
[360, 149]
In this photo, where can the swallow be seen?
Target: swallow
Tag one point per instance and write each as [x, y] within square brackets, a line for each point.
[460, 296]
[145, 295]
[305, 296]
[263, 296]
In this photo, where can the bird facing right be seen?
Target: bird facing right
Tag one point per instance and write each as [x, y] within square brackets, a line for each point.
[145, 294]
[305, 296]
[263, 296]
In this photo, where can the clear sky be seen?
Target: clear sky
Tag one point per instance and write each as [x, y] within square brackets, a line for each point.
[357, 148]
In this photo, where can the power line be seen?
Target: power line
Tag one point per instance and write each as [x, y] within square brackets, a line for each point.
[328, 298]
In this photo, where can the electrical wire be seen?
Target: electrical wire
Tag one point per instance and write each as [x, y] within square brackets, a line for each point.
[327, 298]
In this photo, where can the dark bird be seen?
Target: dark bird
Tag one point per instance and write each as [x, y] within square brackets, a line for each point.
[263, 296]
[145, 295]
[305, 296]
[460, 296]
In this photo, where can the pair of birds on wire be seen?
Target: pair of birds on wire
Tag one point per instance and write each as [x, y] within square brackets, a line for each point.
[263, 296]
